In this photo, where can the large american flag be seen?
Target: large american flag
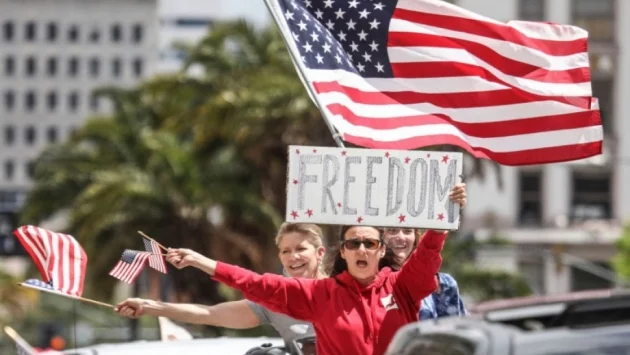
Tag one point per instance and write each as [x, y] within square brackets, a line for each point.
[156, 260]
[60, 259]
[130, 265]
[404, 74]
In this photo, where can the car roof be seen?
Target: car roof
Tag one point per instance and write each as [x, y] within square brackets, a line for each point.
[487, 306]
[540, 308]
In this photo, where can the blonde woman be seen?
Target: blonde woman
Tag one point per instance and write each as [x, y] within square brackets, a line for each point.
[301, 252]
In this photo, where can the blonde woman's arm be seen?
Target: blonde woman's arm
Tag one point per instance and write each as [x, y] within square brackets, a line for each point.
[233, 315]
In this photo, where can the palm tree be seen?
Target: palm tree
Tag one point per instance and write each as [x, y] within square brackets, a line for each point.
[118, 175]
[14, 299]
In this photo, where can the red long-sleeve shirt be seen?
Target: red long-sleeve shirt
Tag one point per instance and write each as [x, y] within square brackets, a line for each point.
[348, 318]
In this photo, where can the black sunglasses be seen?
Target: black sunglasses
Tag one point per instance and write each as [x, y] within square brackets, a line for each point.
[354, 244]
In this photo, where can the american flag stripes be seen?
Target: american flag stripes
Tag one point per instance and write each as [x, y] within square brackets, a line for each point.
[156, 261]
[59, 258]
[404, 74]
[130, 265]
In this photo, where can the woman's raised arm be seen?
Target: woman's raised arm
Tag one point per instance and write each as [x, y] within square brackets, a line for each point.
[294, 297]
[418, 275]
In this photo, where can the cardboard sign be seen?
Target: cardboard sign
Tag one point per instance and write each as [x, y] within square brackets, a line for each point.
[385, 188]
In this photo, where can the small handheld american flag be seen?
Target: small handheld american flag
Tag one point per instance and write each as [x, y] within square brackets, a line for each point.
[130, 265]
[59, 258]
[21, 346]
[156, 261]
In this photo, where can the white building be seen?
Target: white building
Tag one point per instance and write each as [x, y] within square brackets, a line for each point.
[575, 208]
[52, 55]
[187, 21]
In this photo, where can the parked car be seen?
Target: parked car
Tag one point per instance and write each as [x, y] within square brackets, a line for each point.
[222, 345]
[574, 325]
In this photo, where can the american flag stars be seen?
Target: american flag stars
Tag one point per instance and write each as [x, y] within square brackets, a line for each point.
[341, 34]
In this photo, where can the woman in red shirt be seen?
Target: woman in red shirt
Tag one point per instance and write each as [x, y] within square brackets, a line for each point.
[364, 302]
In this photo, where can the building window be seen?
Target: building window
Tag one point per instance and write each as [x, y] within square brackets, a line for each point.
[30, 31]
[9, 135]
[31, 66]
[116, 67]
[582, 280]
[530, 210]
[9, 66]
[597, 17]
[73, 101]
[591, 196]
[51, 32]
[51, 134]
[531, 10]
[30, 135]
[73, 34]
[51, 101]
[94, 102]
[30, 169]
[603, 90]
[116, 33]
[137, 67]
[197, 22]
[95, 36]
[9, 170]
[51, 66]
[30, 101]
[9, 100]
[73, 66]
[8, 31]
[95, 67]
[138, 33]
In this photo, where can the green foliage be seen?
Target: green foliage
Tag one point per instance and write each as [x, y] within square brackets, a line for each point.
[621, 261]
[478, 283]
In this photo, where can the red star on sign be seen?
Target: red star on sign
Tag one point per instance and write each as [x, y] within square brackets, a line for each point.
[314, 150]
[297, 151]
[343, 154]
[295, 181]
[445, 159]
[428, 155]
[338, 204]
[407, 159]
[309, 212]
[294, 214]
[440, 216]
[386, 154]
[360, 219]
[401, 218]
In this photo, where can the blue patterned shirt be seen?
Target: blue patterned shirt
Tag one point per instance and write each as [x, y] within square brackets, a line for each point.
[443, 303]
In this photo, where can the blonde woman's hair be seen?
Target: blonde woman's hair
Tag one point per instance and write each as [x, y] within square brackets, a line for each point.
[312, 232]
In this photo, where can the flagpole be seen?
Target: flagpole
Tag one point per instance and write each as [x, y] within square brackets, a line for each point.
[298, 63]
[18, 339]
[160, 245]
[79, 298]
